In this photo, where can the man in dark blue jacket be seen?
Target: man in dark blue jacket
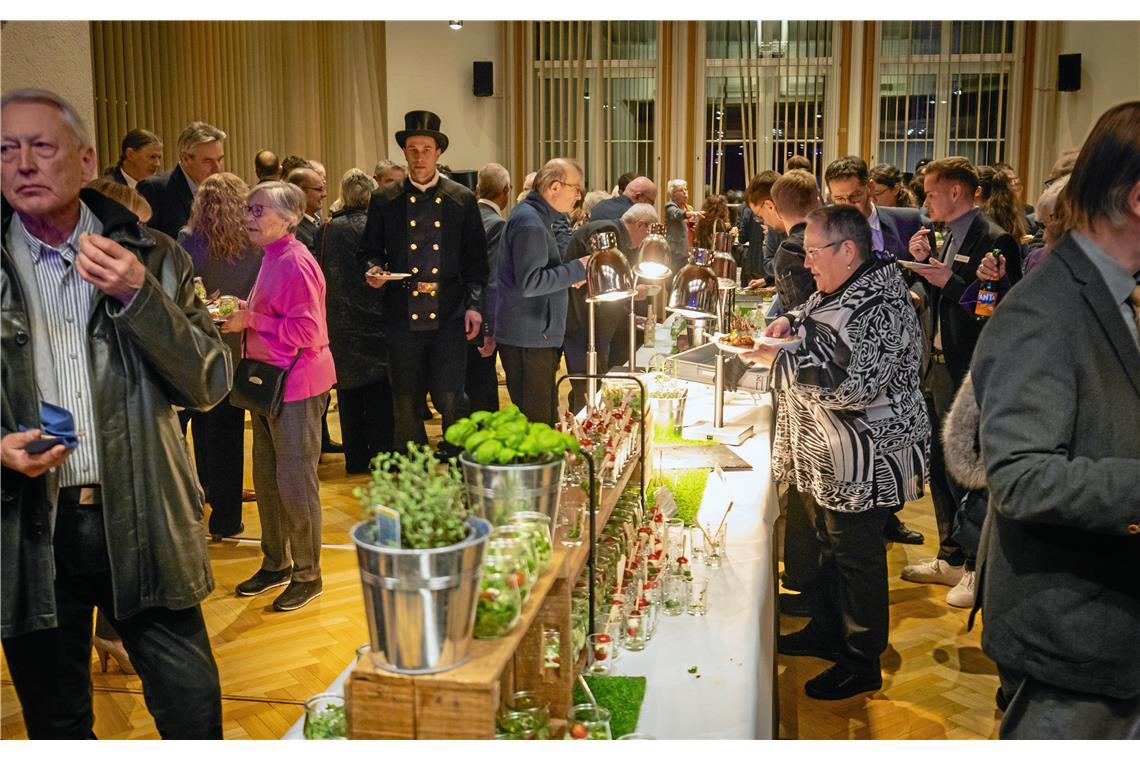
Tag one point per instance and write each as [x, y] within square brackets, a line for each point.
[532, 283]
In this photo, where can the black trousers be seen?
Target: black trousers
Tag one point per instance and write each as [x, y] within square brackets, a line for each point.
[575, 346]
[1038, 710]
[850, 606]
[51, 669]
[366, 423]
[219, 456]
[432, 361]
[801, 545]
[530, 381]
[482, 381]
[944, 492]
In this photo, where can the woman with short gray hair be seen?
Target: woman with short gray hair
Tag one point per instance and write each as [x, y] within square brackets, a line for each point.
[283, 324]
[356, 333]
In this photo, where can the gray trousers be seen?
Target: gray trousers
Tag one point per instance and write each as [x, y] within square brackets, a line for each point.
[1039, 710]
[286, 449]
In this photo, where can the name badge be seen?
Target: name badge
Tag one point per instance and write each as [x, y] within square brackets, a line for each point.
[960, 258]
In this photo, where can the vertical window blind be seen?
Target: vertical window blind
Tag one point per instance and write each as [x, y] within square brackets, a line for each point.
[946, 88]
[594, 94]
[767, 91]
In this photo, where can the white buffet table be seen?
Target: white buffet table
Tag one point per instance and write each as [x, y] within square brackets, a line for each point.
[733, 646]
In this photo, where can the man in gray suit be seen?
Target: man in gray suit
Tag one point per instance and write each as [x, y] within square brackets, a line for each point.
[492, 193]
[1057, 378]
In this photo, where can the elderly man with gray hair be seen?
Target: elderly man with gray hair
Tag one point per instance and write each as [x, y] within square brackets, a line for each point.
[388, 172]
[533, 280]
[102, 335]
[201, 152]
[610, 317]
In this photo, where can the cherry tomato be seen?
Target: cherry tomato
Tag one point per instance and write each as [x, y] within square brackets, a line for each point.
[579, 731]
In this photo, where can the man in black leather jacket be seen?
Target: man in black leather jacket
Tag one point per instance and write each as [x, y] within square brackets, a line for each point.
[99, 317]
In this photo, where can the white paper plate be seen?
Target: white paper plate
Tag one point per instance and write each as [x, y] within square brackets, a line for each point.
[787, 344]
[388, 276]
[733, 349]
[915, 265]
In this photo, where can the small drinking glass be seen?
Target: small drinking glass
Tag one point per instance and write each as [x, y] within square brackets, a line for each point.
[601, 653]
[615, 624]
[538, 525]
[325, 718]
[674, 538]
[525, 715]
[574, 522]
[696, 541]
[676, 594]
[636, 631]
[588, 722]
[698, 597]
[713, 551]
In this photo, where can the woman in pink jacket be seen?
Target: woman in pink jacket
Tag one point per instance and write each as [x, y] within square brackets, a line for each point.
[285, 315]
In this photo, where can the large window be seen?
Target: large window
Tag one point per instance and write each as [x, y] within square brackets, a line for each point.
[595, 83]
[766, 89]
[945, 88]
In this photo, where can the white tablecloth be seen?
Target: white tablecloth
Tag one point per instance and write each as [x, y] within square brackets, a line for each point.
[733, 646]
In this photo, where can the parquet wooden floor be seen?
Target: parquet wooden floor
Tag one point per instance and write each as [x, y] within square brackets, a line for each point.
[937, 683]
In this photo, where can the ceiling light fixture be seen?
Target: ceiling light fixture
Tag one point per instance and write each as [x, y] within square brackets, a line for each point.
[456, 25]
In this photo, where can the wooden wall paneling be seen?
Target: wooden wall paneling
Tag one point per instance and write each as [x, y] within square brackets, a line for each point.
[870, 86]
[1025, 131]
[844, 115]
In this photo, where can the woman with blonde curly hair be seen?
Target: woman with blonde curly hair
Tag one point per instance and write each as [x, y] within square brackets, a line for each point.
[228, 263]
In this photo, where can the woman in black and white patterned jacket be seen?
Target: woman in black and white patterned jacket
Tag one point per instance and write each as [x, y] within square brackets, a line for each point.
[852, 432]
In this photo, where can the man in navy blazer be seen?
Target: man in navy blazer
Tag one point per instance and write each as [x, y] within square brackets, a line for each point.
[201, 152]
[1057, 377]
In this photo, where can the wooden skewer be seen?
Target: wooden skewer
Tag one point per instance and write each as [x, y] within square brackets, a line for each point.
[724, 518]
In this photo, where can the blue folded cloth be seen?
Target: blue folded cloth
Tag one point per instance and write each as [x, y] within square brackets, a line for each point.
[57, 422]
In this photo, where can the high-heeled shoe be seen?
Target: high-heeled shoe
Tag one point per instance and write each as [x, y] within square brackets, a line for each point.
[107, 648]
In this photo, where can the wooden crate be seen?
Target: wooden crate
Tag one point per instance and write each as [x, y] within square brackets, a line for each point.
[461, 703]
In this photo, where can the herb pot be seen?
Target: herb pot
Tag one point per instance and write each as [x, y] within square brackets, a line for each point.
[420, 603]
[494, 492]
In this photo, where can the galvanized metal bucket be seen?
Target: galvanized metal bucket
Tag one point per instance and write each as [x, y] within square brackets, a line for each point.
[494, 492]
[420, 603]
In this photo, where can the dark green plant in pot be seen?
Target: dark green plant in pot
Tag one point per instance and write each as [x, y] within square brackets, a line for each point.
[428, 496]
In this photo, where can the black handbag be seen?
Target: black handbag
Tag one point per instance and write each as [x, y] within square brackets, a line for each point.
[260, 387]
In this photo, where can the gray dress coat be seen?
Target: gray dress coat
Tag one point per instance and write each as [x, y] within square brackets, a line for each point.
[1057, 377]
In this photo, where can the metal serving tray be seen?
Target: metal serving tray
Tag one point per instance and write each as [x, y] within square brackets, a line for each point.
[698, 365]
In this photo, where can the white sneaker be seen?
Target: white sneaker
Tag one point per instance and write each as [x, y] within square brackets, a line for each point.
[934, 571]
[962, 595]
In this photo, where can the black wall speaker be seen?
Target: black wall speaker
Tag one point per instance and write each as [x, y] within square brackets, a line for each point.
[484, 79]
[1069, 72]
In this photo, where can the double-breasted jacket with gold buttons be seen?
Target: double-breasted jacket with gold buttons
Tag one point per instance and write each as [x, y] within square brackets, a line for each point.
[436, 236]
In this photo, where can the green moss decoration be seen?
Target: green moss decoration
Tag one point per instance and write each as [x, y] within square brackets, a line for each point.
[621, 695]
[664, 435]
[688, 491]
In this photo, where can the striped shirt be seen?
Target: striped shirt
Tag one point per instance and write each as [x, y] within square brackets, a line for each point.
[67, 301]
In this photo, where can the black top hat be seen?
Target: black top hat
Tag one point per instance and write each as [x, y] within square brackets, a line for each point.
[421, 123]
